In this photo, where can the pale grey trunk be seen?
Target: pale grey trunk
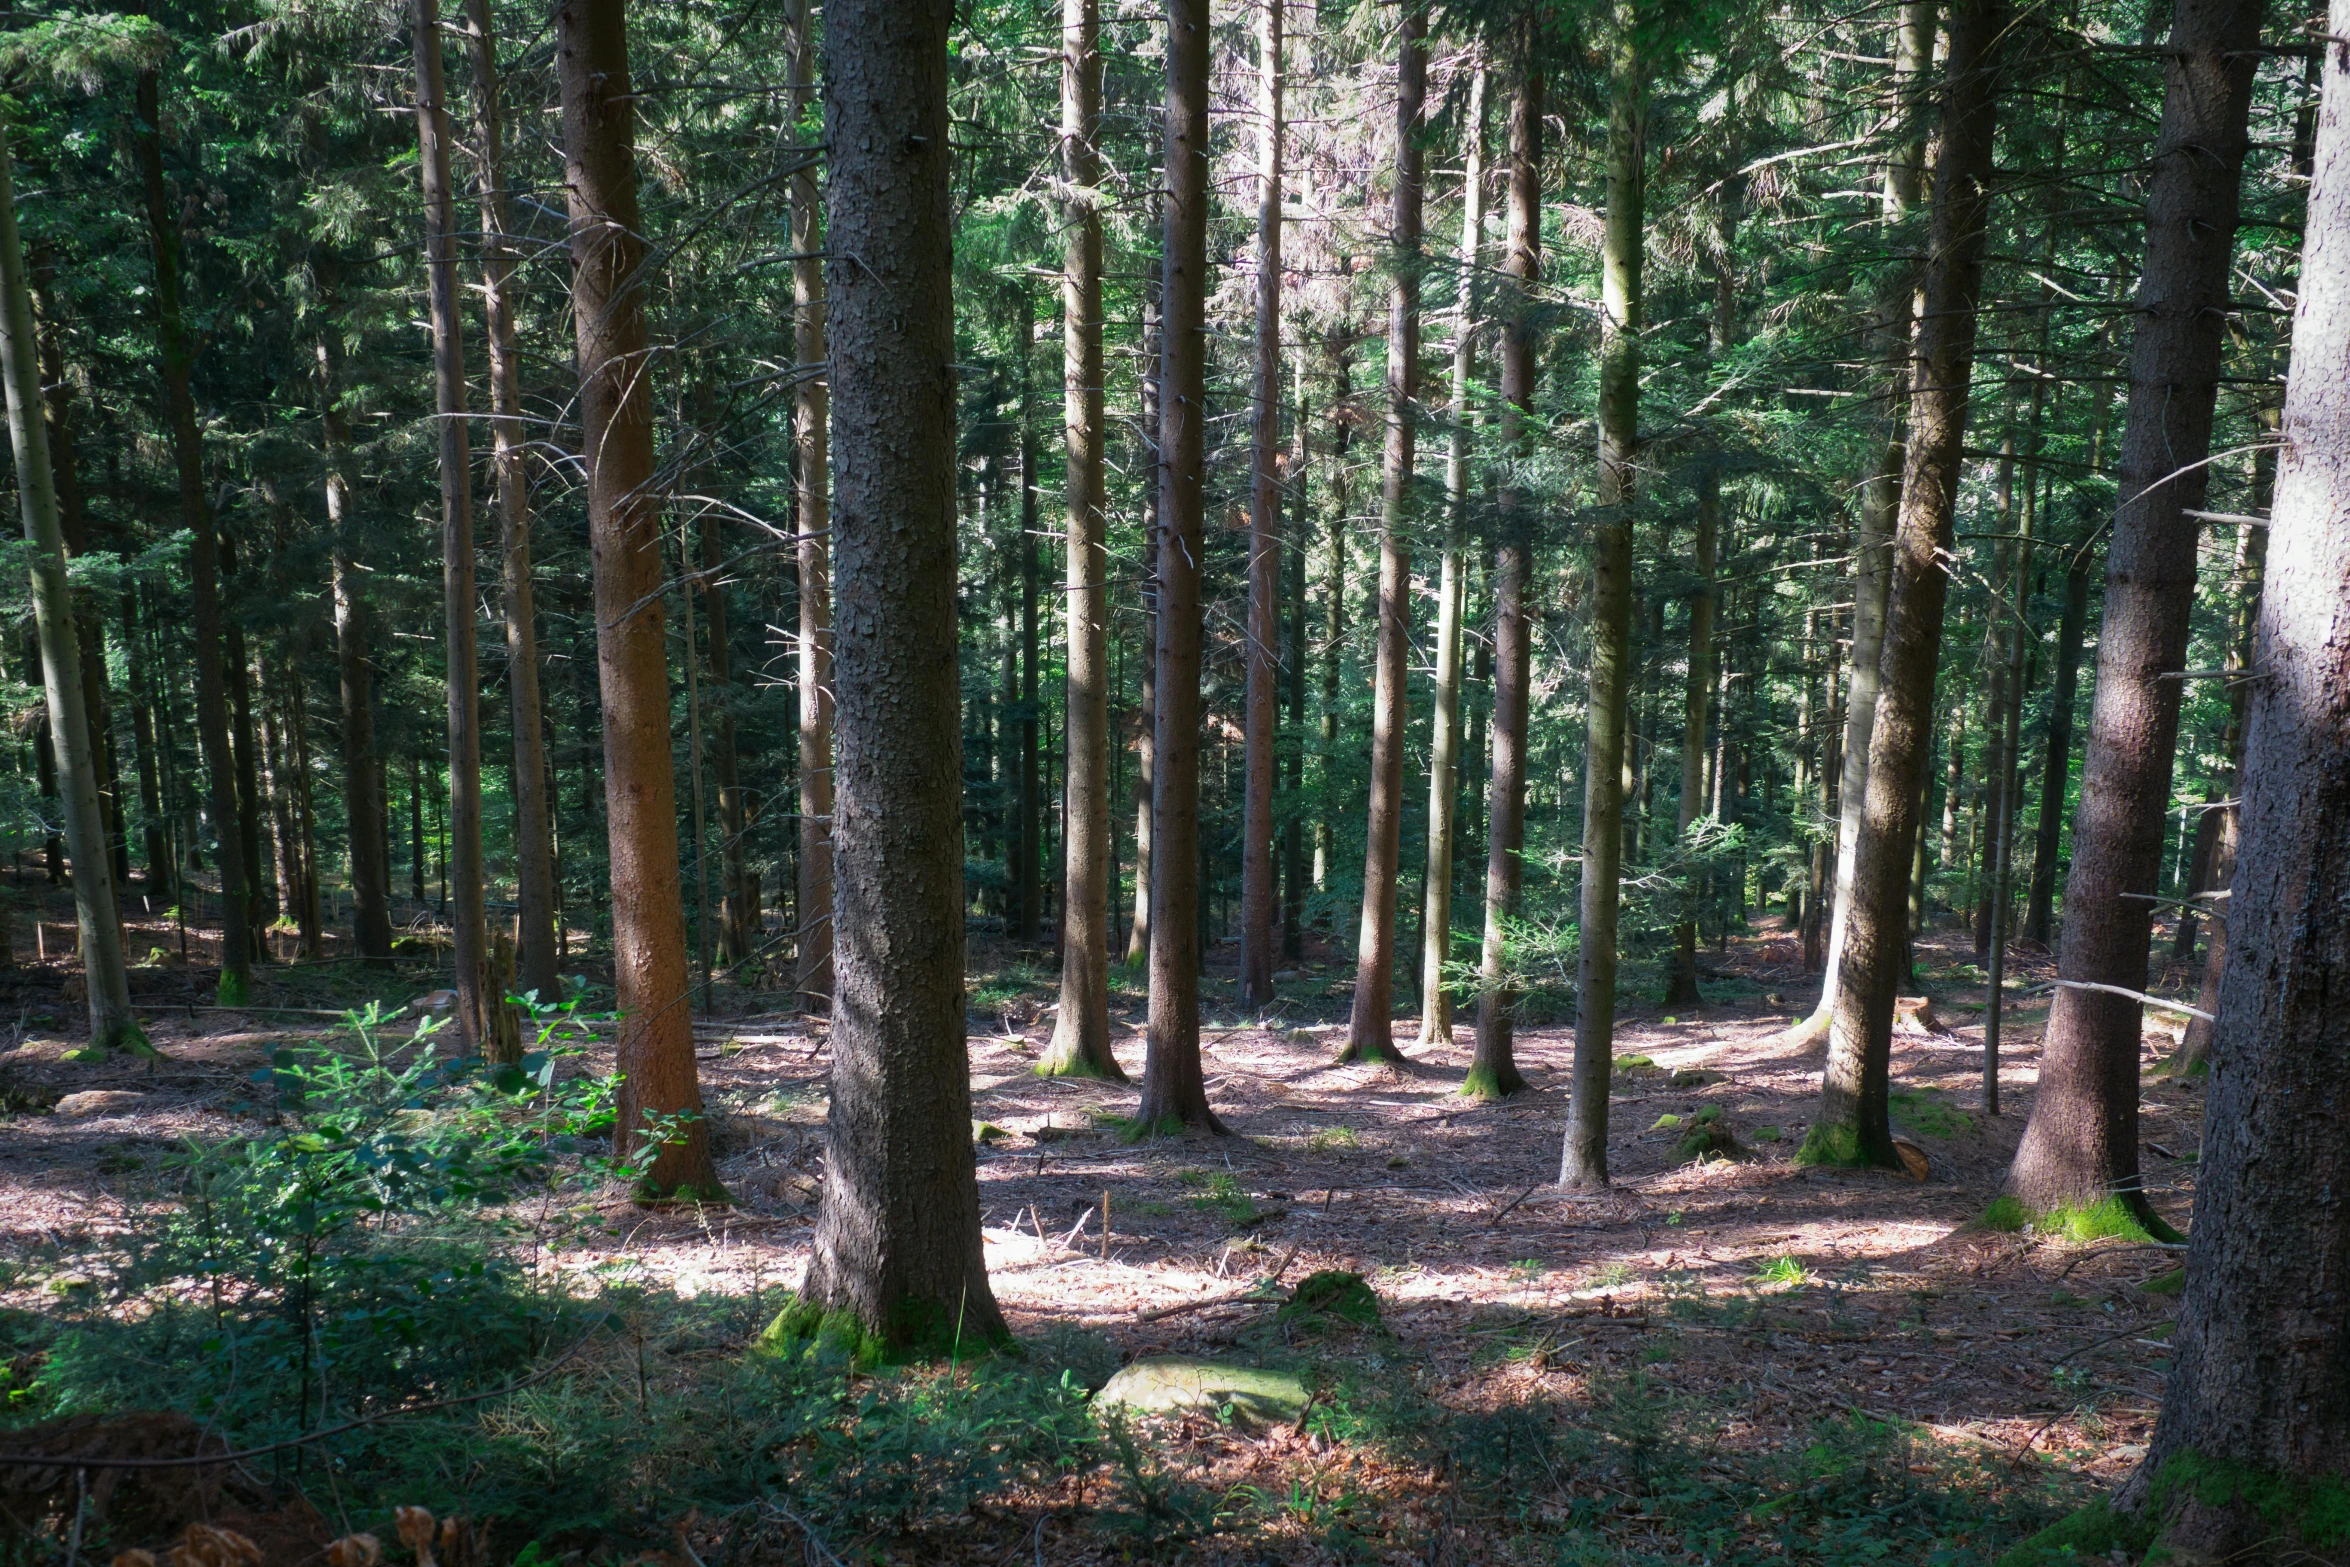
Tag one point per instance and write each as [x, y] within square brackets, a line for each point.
[1259, 907]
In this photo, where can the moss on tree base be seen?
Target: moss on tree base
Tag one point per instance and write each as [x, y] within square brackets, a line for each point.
[2090, 1534]
[1483, 1082]
[1837, 1145]
[919, 1330]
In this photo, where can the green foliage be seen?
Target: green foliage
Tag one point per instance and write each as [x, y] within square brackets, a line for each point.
[2091, 1534]
[2005, 1214]
[1223, 1196]
[1783, 1270]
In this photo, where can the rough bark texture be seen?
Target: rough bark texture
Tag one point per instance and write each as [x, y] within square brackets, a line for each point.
[1851, 1127]
[176, 359]
[1081, 1032]
[1369, 1034]
[534, 836]
[468, 919]
[655, 1051]
[112, 1023]
[897, 1240]
[1258, 901]
[2082, 1142]
[1173, 1086]
[1444, 699]
[2257, 1408]
[1583, 1159]
[811, 425]
[1493, 1068]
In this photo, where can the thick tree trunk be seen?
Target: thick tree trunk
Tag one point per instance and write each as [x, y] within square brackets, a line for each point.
[469, 918]
[1493, 1069]
[655, 1051]
[2082, 1142]
[897, 1240]
[1138, 929]
[2254, 1434]
[811, 433]
[1444, 699]
[1369, 1034]
[1081, 1031]
[1695, 692]
[534, 838]
[176, 360]
[1851, 1127]
[112, 1023]
[1583, 1159]
[1258, 901]
[1174, 1088]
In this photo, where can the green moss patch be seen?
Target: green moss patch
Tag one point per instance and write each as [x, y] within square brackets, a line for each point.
[2091, 1534]
[2314, 1510]
[2007, 1215]
[1928, 1112]
[1332, 1295]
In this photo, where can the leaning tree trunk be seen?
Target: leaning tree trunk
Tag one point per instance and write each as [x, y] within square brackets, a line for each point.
[1493, 1069]
[176, 356]
[1444, 699]
[1369, 1034]
[477, 1003]
[659, 1092]
[2255, 1429]
[1583, 1158]
[1259, 903]
[534, 836]
[1851, 1127]
[112, 1023]
[2082, 1142]
[1174, 1087]
[897, 1240]
[1081, 1032]
[811, 435]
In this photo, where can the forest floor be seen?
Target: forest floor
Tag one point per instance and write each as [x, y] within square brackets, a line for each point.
[1738, 1330]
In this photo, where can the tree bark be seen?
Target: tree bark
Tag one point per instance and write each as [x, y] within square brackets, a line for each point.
[897, 1239]
[1493, 1069]
[2082, 1142]
[2256, 1411]
[363, 792]
[1081, 1031]
[1369, 1035]
[1444, 699]
[1334, 600]
[113, 1025]
[2057, 764]
[162, 886]
[1174, 1087]
[1293, 874]
[1138, 930]
[176, 357]
[1259, 910]
[534, 838]
[469, 917]
[1583, 1159]
[1851, 1127]
[660, 1096]
[1028, 888]
[1695, 692]
[811, 433]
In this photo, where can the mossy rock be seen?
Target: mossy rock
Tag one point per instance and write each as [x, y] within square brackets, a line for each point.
[1627, 1066]
[987, 1132]
[1708, 1139]
[1333, 1294]
[1694, 1077]
[1178, 1384]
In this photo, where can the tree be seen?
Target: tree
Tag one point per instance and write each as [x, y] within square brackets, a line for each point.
[1452, 586]
[1851, 1127]
[2254, 1433]
[2081, 1144]
[660, 1095]
[1369, 1033]
[113, 1025]
[1174, 1086]
[363, 775]
[897, 1238]
[1493, 1070]
[1259, 908]
[811, 427]
[1583, 1159]
[1697, 690]
[1081, 1033]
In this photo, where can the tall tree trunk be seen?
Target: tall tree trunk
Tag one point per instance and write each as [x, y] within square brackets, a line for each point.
[1174, 1088]
[1081, 1031]
[1493, 1070]
[1583, 1158]
[1699, 688]
[1029, 893]
[2057, 763]
[1293, 838]
[1444, 699]
[176, 357]
[469, 925]
[738, 923]
[1851, 1127]
[1258, 901]
[811, 434]
[2256, 1413]
[897, 1239]
[1138, 929]
[1334, 599]
[655, 1051]
[1369, 1034]
[2082, 1142]
[112, 1023]
[534, 837]
[162, 887]
[363, 792]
